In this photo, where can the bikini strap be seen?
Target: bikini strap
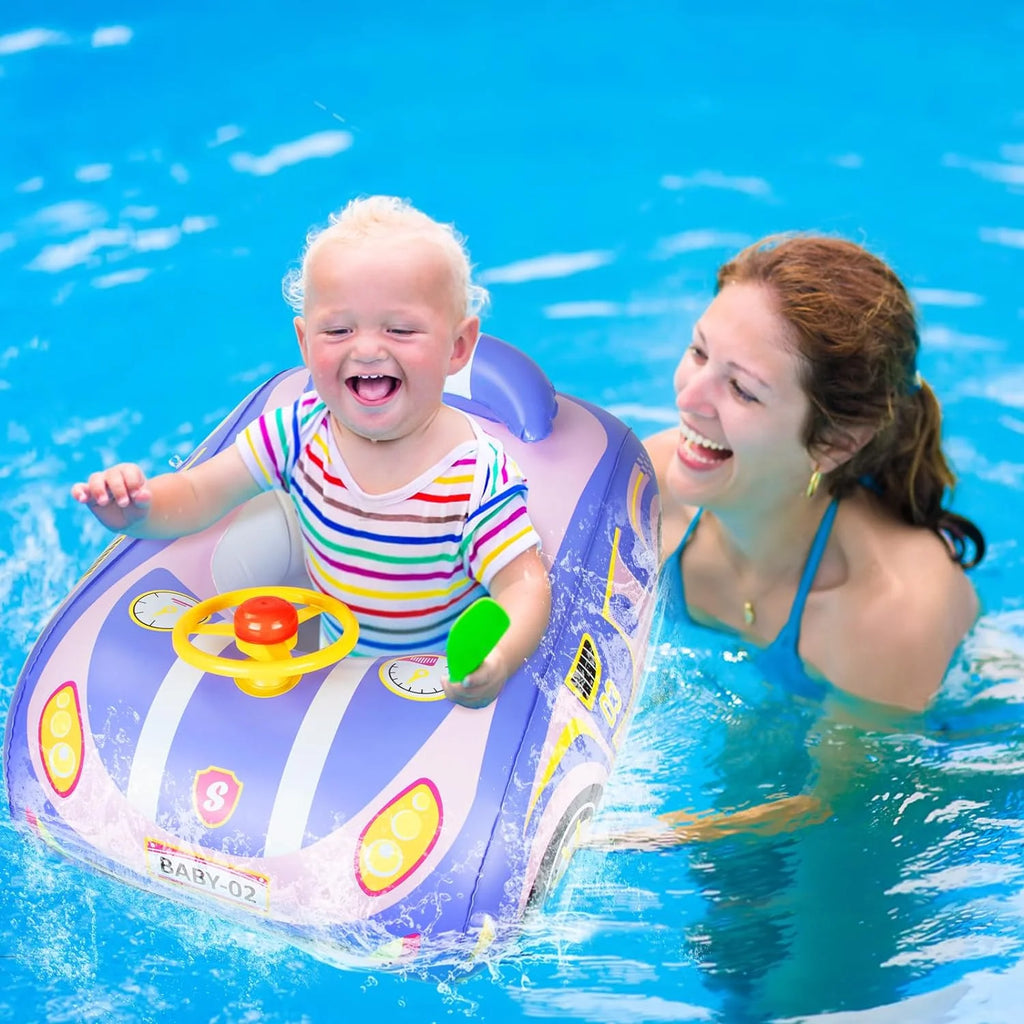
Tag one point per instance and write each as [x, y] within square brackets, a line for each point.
[673, 571]
[690, 527]
[790, 632]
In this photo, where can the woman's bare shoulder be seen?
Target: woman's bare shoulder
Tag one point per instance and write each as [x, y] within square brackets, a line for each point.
[913, 564]
[660, 447]
[675, 516]
[903, 611]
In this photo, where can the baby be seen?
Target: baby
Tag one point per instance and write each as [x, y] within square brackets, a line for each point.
[408, 511]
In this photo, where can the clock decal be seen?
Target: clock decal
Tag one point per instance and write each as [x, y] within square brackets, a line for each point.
[160, 609]
[417, 677]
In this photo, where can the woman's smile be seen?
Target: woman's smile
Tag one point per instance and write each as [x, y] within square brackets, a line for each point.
[700, 452]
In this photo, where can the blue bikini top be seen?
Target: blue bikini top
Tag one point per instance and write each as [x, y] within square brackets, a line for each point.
[780, 661]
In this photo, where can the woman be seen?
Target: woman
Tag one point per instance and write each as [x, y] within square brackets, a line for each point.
[803, 512]
[803, 490]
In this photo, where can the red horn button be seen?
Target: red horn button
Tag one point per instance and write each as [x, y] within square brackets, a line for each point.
[265, 620]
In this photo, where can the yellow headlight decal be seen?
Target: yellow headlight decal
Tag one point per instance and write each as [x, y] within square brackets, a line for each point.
[60, 739]
[398, 838]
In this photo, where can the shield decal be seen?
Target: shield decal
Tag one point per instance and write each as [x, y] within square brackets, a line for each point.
[215, 794]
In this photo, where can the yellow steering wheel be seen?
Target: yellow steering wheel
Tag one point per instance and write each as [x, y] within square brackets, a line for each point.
[265, 626]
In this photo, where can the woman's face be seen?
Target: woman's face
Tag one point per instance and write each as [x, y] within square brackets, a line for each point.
[741, 406]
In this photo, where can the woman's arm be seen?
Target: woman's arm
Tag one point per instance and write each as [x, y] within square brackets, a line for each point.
[840, 748]
[772, 818]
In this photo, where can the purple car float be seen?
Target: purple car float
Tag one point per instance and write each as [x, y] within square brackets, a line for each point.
[343, 802]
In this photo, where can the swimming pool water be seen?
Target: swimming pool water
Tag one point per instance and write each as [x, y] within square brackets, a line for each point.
[158, 171]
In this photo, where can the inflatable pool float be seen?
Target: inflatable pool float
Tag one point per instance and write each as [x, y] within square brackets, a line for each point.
[349, 802]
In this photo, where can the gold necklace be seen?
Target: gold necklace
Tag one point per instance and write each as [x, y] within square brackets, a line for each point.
[749, 612]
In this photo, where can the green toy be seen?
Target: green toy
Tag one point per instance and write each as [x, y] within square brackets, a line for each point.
[473, 636]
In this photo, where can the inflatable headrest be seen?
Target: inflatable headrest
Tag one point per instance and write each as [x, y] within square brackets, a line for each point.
[502, 383]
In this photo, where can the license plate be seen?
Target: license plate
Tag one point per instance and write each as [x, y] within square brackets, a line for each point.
[201, 874]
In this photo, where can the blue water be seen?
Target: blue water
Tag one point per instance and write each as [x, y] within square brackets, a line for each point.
[159, 167]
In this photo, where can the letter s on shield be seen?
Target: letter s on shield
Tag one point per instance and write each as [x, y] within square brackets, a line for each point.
[215, 794]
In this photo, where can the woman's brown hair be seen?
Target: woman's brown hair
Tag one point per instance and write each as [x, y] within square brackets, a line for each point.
[856, 331]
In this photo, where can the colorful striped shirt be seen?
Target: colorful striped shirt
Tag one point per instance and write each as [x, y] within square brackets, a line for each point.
[407, 562]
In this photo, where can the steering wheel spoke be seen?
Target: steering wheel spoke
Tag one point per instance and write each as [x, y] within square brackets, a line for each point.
[264, 627]
[213, 629]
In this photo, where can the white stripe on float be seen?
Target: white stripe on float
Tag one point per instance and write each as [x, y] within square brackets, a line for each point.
[308, 755]
[161, 726]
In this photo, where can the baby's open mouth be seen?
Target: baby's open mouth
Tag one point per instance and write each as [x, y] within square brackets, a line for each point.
[373, 388]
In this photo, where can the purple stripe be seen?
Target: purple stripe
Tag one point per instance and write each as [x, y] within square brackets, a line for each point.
[500, 528]
[270, 450]
[389, 538]
[382, 574]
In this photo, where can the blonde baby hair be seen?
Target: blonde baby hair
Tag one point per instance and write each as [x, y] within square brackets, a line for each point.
[381, 217]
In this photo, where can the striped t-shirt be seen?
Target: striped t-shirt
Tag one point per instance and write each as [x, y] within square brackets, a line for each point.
[407, 562]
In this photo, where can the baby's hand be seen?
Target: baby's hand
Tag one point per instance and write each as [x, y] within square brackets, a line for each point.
[482, 685]
[118, 497]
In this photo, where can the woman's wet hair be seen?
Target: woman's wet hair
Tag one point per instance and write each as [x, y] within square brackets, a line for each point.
[854, 325]
[373, 217]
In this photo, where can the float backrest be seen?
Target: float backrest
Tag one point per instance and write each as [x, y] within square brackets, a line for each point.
[502, 383]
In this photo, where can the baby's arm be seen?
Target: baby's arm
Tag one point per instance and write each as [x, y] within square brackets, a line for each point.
[169, 505]
[523, 589]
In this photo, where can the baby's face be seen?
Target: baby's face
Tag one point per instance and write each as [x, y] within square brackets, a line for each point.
[381, 331]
